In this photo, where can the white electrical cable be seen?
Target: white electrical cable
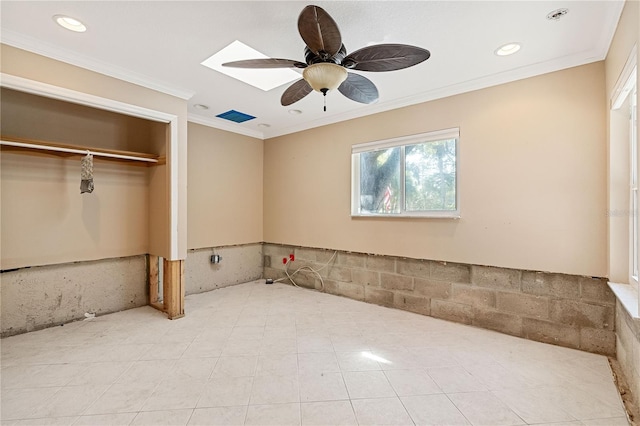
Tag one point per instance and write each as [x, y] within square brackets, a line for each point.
[309, 268]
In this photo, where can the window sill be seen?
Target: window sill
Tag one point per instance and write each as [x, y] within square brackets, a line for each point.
[627, 295]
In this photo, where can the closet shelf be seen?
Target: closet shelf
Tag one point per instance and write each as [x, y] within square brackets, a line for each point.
[23, 144]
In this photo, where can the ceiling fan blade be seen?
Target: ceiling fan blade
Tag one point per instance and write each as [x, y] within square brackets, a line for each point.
[319, 31]
[295, 92]
[359, 89]
[385, 57]
[266, 63]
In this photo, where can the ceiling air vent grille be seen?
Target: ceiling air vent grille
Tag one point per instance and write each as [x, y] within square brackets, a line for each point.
[235, 116]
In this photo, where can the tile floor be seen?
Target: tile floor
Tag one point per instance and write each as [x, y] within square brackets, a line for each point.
[258, 354]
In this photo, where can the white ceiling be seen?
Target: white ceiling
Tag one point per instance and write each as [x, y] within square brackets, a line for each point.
[160, 44]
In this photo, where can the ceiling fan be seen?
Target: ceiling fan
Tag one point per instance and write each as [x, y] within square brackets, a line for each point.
[326, 61]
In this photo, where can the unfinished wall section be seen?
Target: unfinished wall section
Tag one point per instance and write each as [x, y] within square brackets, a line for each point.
[44, 296]
[628, 350]
[239, 264]
[566, 310]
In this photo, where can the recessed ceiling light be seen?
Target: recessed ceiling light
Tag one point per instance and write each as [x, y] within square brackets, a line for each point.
[507, 49]
[265, 79]
[70, 23]
[264, 125]
[557, 14]
[201, 107]
[295, 111]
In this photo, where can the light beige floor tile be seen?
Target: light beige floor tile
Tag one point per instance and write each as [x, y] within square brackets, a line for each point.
[273, 415]
[367, 384]
[101, 373]
[174, 395]
[165, 351]
[279, 345]
[314, 344]
[357, 361]
[383, 411]
[484, 408]
[235, 366]
[192, 369]
[162, 418]
[337, 413]
[433, 410]
[47, 421]
[146, 371]
[122, 398]
[614, 421]
[275, 389]
[219, 416]
[204, 349]
[121, 419]
[277, 364]
[129, 352]
[581, 405]
[70, 401]
[226, 391]
[411, 382]
[20, 403]
[35, 376]
[317, 362]
[322, 387]
[455, 379]
[533, 405]
[247, 347]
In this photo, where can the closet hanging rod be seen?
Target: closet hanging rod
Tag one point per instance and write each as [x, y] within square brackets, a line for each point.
[77, 151]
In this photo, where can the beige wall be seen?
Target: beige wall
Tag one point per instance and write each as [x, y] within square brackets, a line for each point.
[532, 179]
[225, 188]
[159, 196]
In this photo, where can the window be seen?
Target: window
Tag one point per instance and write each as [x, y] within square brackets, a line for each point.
[408, 176]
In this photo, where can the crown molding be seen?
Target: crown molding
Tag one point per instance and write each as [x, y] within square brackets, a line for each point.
[221, 124]
[30, 44]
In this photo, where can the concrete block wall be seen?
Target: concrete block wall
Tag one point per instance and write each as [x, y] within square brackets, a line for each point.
[240, 264]
[628, 350]
[566, 310]
[43, 296]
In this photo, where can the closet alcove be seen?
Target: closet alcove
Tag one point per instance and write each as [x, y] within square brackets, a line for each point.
[45, 218]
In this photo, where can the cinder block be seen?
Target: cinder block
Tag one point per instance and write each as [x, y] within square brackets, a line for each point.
[305, 279]
[395, 281]
[273, 273]
[276, 251]
[451, 311]
[413, 267]
[305, 253]
[500, 278]
[452, 272]
[350, 290]
[326, 256]
[432, 289]
[546, 284]
[498, 321]
[266, 261]
[380, 263]
[337, 273]
[378, 296]
[523, 304]
[351, 260]
[549, 332]
[596, 290]
[473, 296]
[580, 314]
[598, 341]
[411, 303]
[365, 277]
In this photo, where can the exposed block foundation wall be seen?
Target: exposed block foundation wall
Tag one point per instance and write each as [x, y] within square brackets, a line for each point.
[628, 350]
[239, 264]
[44, 296]
[566, 310]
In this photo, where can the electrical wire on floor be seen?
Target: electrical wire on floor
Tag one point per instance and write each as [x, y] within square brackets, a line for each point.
[305, 268]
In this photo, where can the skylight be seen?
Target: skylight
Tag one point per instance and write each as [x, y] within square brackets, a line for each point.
[265, 79]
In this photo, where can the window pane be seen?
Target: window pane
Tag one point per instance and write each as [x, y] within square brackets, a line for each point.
[430, 176]
[380, 181]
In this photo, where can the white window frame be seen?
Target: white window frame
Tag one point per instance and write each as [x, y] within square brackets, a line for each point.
[439, 135]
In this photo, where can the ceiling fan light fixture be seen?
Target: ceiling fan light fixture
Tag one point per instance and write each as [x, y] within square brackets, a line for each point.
[508, 49]
[324, 76]
[70, 23]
